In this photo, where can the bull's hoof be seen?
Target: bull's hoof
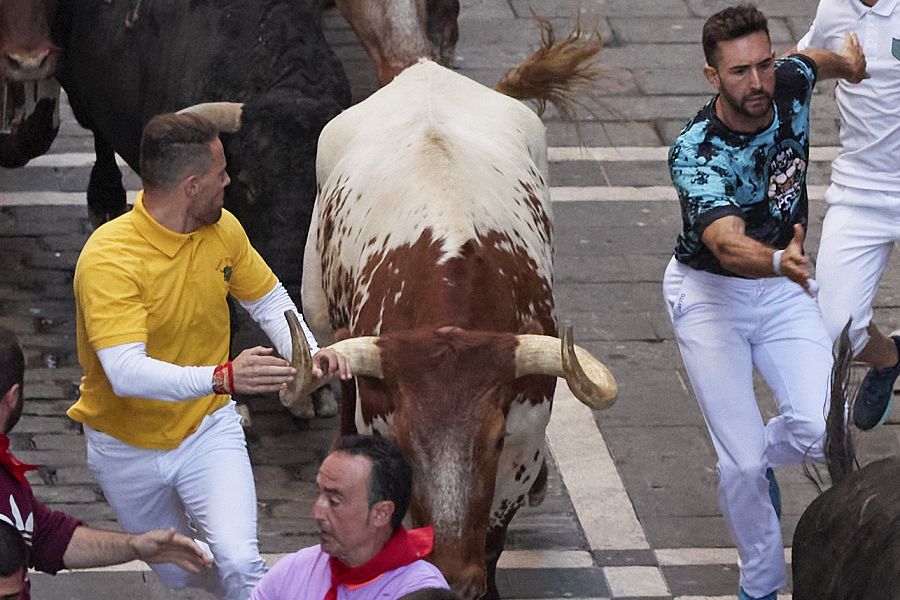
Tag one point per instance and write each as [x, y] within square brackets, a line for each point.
[325, 403]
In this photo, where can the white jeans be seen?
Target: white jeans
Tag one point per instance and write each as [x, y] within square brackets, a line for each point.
[204, 486]
[726, 326]
[855, 249]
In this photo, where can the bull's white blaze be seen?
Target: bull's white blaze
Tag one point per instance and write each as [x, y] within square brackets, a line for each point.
[448, 481]
[431, 152]
[524, 447]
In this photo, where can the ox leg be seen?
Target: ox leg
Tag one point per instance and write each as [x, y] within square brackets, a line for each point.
[348, 408]
[105, 194]
[496, 540]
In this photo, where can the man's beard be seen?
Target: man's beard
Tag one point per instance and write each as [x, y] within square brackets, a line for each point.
[740, 106]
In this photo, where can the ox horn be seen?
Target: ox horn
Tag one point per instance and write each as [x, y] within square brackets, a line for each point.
[588, 378]
[362, 354]
[226, 116]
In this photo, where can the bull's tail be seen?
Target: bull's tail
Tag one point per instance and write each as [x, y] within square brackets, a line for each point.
[840, 455]
[564, 73]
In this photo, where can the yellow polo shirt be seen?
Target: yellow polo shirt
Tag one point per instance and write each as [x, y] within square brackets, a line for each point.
[137, 281]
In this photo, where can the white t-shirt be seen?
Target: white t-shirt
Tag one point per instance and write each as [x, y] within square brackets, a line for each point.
[870, 110]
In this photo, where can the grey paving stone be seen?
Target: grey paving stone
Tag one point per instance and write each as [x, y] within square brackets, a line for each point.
[641, 173]
[667, 30]
[91, 513]
[550, 583]
[644, 405]
[624, 558]
[493, 42]
[708, 580]
[66, 494]
[472, 10]
[607, 8]
[686, 532]
[90, 586]
[593, 326]
[688, 80]
[605, 134]
[771, 8]
[660, 56]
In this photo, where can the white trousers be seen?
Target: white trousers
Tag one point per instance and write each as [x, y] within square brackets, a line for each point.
[204, 486]
[726, 326]
[856, 246]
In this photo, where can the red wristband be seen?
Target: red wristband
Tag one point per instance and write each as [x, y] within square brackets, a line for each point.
[223, 379]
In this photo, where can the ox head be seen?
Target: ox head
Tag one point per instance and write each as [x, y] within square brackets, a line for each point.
[456, 403]
[396, 33]
[26, 47]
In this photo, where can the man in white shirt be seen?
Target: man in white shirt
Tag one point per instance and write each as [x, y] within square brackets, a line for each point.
[863, 218]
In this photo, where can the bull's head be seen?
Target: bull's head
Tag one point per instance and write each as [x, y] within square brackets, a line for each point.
[27, 51]
[468, 409]
[397, 34]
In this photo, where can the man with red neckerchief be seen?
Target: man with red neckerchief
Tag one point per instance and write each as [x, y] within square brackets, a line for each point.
[365, 486]
[54, 539]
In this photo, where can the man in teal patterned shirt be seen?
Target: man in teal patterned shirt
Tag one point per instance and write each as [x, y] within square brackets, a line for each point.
[739, 288]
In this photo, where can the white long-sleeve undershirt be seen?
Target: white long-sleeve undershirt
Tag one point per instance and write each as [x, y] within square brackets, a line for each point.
[133, 374]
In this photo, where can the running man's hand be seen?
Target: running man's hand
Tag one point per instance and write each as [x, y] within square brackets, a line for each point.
[258, 371]
[795, 264]
[170, 547]
[852, 53]
[327, 362]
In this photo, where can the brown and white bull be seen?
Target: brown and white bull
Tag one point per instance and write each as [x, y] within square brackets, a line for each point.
[430, 258]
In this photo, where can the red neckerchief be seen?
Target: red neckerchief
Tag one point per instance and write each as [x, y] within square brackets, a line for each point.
[12, 464]
[403, 548]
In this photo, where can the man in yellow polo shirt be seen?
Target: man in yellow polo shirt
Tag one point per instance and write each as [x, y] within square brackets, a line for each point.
[163, 437]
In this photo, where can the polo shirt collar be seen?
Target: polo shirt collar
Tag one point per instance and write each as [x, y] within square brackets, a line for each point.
[884, 8]
[165, 240]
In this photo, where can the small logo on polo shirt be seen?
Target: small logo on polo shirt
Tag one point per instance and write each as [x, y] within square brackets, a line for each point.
[895, 48]
[225, 268]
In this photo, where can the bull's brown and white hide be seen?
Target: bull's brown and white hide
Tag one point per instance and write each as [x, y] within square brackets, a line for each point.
[433, 214]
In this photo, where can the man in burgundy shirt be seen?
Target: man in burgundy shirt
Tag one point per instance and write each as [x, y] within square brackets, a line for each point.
[56, 540]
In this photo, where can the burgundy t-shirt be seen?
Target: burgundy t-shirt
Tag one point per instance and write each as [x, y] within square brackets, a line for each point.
[46, 532]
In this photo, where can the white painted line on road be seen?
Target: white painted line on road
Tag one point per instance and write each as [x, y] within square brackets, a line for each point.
[545, 559]
[52, 198]
[555, 154]
[66, 160]
[647, 153]
[590, 476]
[612, 193]
[677, 557]
[635, 582]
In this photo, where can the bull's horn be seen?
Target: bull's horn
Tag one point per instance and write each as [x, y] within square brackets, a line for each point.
[301, 358]
[588, 378]
[226, 116]
[363, 354]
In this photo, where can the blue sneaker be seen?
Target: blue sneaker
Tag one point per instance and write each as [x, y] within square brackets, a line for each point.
[742, 595]
[876, 395]
[774, 493]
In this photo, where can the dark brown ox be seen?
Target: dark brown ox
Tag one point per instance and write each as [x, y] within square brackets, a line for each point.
[847, 542]
[430, 256]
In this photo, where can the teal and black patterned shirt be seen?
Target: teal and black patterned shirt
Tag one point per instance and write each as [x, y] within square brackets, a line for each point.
[760, 177]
